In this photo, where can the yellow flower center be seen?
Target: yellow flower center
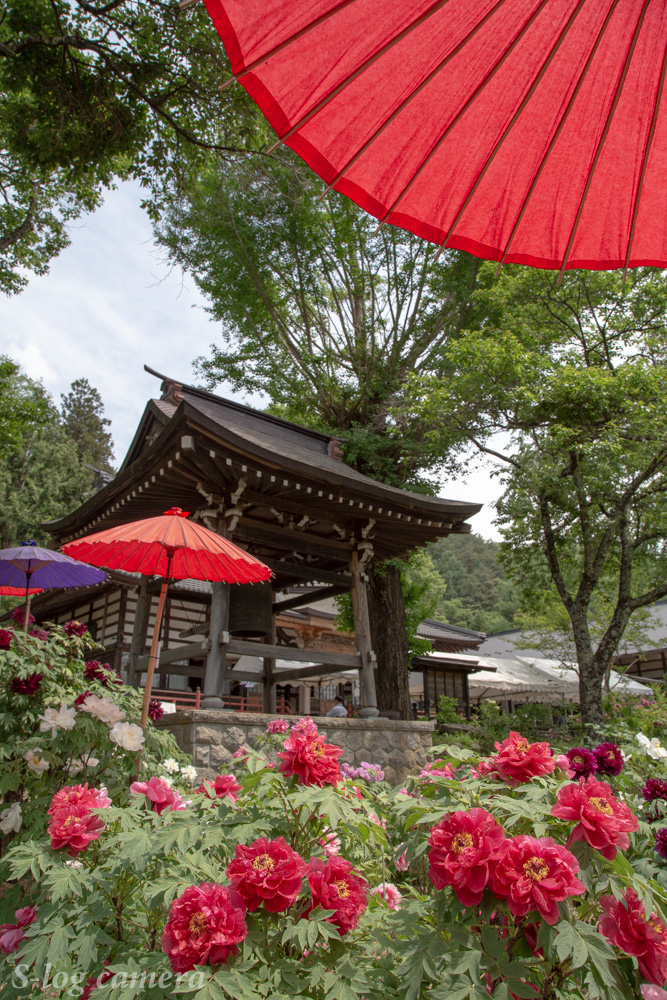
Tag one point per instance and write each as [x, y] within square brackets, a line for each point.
[318, 749]
[342, 889]
[536, 869]
[263, 863]
[601, 806]
[198, 923]
[461, 842]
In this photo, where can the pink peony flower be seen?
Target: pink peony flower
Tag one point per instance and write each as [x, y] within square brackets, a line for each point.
[626, 927]
[205, 926]
[79, 795]
[535, 874]
[269, 872]
[18, 615]
[305, 726]
[240, 754]
[225, 786]
[74, 829]
[389, 893]
[335, 885]
[313, 761]
[602, 820]
[563, 764]
[330, 843]
[400, 864]
[517, 760]
[463, 846]
[11, 935]
[160, 793]
[651, 992]
[439, 769]
[277, 726]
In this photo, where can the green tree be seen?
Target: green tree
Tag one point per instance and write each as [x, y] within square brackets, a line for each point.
[478, 594]
[94, 92]
[41, 475]
[576, 376]
[327, 317]
[82, 416]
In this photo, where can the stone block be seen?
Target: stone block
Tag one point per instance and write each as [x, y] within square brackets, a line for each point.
[202, 756]
[220, 756]
[209, 734]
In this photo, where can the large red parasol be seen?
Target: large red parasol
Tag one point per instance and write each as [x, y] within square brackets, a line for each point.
[527, 131]
[172, 547]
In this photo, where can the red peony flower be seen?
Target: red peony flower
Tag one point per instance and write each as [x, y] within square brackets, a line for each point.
[80, 698]
[269, 872]
[155, 710]
[18, 615]
[101, 672]
[535, 874]
[26, 685]
[11, 935]
[225, 786]
[39, 633]
[582, 761]
[462, 845]
[74, 829]
[654, 788]
[601, 819]
[95, 982]
[626, 927]
[72, 628]
[160, 793]
[5, 638]
[335, 885]
[313, 761]
[517, 760]
[78, 795]
[609, 758]
[205, 926]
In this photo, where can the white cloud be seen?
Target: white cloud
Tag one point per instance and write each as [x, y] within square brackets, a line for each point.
[109, 305]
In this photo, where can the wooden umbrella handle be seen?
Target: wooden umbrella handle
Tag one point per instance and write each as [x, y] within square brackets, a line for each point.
[153, 657]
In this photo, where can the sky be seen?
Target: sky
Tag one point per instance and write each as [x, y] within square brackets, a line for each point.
[110, 304]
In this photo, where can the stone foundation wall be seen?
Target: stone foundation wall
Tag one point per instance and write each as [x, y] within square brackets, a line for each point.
[211, 737]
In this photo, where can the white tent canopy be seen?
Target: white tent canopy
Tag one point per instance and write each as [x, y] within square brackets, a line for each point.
[525, 678]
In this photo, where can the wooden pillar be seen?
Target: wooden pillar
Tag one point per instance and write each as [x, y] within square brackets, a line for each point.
[214, 675]
[269, 684]
[362, 630]
[138, 642]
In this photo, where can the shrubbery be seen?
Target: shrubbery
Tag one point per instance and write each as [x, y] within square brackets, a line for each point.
[528, 873]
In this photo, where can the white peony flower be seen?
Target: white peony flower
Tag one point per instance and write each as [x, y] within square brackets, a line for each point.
[11, 819]
[127, 735]
[104, 709]
[35, 761]
[190, 773]
[57, 718]
[170, 765]
[651, 747]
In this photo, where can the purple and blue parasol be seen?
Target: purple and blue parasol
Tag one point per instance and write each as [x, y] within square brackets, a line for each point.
[31, 567]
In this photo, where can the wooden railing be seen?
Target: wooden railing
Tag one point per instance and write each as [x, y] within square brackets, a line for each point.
[185, 700]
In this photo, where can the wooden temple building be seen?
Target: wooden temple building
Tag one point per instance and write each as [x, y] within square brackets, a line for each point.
[280, 491]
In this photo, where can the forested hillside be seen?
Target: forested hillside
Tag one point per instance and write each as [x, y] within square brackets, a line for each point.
[478, 594]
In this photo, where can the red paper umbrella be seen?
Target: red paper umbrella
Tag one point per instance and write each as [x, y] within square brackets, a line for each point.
[171, 547]
[18, 591]
[527, 131]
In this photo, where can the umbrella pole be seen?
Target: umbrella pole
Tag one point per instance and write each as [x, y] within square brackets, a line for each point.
[26, 612]
[153, 656]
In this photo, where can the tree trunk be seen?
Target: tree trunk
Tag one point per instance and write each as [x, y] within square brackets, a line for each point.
[390, 640]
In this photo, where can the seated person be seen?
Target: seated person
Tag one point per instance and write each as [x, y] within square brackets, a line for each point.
[338, 711]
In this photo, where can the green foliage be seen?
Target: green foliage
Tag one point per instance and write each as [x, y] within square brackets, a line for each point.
[448, 711]
[328, 316]
[477, 594]
[41, 475]
[92, 93]
[576, 377]
[82, 415]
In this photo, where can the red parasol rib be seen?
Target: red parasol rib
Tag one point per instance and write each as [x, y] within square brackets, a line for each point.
[526, 131]
[171, 547]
